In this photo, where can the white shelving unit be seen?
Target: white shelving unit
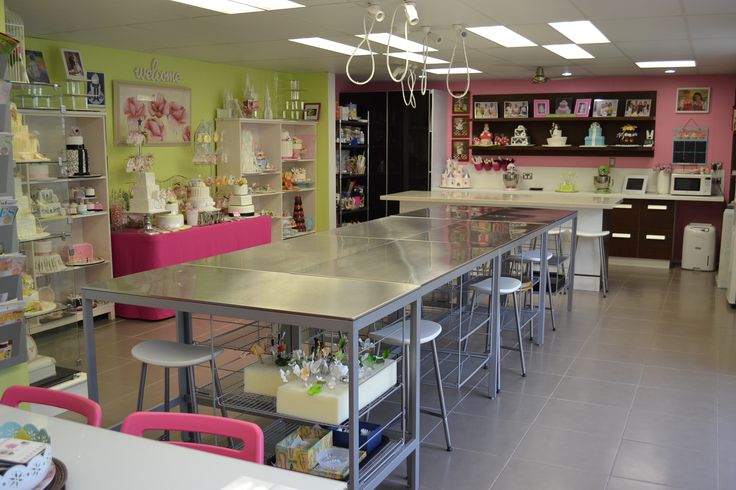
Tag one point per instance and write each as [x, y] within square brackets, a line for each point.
[266, 135]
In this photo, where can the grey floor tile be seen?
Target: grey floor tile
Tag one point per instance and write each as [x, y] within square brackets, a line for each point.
[580, 450]
[675, 402]
[586, 417]
[671, 430]
[595, 391]
[538, 362]
[617, 372]
[616, 483]
[481, 434]
[681, 360]
[692, 381]
[441, 470]
[526, 475]
[666, 465]
[616, 353]
[507, 406]
[540, 384]
[628, 338]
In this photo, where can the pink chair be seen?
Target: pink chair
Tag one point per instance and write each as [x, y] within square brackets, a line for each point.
[15, 395]
[252, 436]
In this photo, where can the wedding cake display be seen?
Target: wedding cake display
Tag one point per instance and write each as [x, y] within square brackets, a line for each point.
[556, 138]
[147, 197]
[45, 260]
[199, 196]
[25, 144]
[26, 223]
[455, 176]
[241, 202]
[47, 203]
[595, 136]
[298, 175]
[520, 137]
[287, 145]
[170, 221]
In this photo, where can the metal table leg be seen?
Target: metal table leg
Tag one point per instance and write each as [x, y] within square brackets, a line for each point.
[88, 323]
[184, 336]
[543, 266]
[571, 269]
[494, 358]
[412, 462]
[354, 421]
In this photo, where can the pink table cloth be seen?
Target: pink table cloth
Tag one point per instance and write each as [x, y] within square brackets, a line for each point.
[133, 252]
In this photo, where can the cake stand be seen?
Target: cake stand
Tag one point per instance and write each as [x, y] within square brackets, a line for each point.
[148, 228]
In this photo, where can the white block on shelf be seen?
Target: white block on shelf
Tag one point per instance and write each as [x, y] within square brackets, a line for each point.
[41, 367]
[262, 378]
[331, 406]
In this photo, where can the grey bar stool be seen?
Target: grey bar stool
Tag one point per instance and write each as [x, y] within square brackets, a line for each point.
[507, 286]
[168, 355]
[599, 236]
[397, 334]
[535, 257]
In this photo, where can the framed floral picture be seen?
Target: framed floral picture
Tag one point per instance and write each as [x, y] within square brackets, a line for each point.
[165, 113]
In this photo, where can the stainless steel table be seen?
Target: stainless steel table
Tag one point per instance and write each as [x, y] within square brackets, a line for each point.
[386, 265]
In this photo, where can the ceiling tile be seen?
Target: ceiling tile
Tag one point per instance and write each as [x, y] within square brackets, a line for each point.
[627, 9]
[526, 11]
[702, 7]
[644, 29]
[648, 51]
[711, 26]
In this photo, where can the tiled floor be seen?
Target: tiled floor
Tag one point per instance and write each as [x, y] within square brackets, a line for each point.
[636, 391]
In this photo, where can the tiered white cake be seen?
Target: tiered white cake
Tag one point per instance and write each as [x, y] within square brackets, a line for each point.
[241, 202]
[25, 144]
[147, 196]
[455, 176]
[556, 138]
[199, 197]
[520, 137]
[298, 175]
[25, 220]
[48, 203]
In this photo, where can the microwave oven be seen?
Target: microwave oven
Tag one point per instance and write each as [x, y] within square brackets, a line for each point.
[691, 184]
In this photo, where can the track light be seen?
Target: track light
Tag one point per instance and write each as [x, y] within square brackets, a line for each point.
[375, 12]
[412, 16]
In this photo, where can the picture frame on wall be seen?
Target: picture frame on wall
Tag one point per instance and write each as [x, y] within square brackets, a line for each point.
[733, 123]
[638, 108]
[605, 107]
[164, 111]
[693, 100]
[311, 111]
[461, 105]
[541, 107]
[460, 150]
[73, 64]
[582, 107]
[564, 106]
[36, 67]
[96, 89]
[515, 109]
[460, 126]
[485, 110]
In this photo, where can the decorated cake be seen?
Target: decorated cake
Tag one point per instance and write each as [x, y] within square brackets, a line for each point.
[241, 202]
[25, 220]
[147, 197]
[45, 260]
[78, 254]
[556, 138]
[47, 203]
[38, 171]
[199, 196]
[25, 144]
[170, 221]
[455, 176]
[595, 136]
[486, 137]
[520, 137]
[298, 175]
[287, 145]
[89, 193]
[627, 136]
[297, 146]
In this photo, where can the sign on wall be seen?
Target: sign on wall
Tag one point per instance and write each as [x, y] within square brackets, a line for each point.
[153, 74]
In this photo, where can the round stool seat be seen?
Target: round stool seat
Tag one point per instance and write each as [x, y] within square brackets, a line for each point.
[507, 285]
[392, 334]
[593, 234]
[164, 353]
[534, 256]
[558, 231]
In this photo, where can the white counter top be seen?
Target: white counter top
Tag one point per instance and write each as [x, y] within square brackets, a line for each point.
[533, 199]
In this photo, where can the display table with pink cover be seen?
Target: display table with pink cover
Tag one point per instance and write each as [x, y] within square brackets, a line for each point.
[133, 252]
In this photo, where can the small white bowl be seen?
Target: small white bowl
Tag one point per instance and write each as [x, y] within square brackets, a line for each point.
[334, 459]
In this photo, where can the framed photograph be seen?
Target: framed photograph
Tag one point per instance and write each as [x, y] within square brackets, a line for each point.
[96, 89]
[36, 67]
[693, 99]
[638, 108]
[73, 64]
[582, 107]
[485, 110]
[733, 123]
[605, 107]
[460, 150]
[563, 106]
[311, 111]
[461, 105]
[164, 111]
[541, 107]
[515, 108]
[460, 126]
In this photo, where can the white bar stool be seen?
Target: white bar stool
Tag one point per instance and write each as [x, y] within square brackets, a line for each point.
[397, 334]
[599, 236]
[167, 355]
[507, 285]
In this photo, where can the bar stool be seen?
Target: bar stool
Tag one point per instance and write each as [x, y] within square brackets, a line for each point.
[603, 256]
[397, 334]
[166, 354]
[507, 286]
[535, 257]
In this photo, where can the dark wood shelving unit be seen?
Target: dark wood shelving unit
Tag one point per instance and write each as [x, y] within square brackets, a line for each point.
[538, 150]
[343, 180]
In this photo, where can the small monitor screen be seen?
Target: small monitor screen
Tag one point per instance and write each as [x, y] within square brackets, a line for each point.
[635, 185]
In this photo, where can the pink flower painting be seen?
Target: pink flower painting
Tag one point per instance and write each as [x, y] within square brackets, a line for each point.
[158, 107]
[178, 113]
[156, 130]
[187, 134]
[134, 110]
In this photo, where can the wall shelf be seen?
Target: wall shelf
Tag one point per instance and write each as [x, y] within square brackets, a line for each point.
[565, 150]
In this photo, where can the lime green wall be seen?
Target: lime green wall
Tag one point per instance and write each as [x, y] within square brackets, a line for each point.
[207, 82]
[16, 375]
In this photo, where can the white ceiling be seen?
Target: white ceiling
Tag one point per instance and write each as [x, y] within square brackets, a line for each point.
[639, 30]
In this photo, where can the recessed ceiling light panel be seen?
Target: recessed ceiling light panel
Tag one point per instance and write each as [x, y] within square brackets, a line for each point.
[666, 64]
[580, 32]
[566, 73]
[222, 6]
[271, 4]
[397, 42]
[569, 51]
[318, 42]
[417, 58]
[670, 71]
[502, 35]
[451, 71]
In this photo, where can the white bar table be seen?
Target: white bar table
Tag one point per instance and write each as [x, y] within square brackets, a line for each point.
[100, 458]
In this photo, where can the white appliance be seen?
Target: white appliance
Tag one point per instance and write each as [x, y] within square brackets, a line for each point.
[731, 291]
[699, 247]
[691, 184]
[724, 257]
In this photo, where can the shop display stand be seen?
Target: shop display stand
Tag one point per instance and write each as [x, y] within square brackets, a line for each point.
[266, 137]
[345, 179]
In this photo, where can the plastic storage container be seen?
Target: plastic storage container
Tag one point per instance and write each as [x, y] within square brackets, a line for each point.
[699, 247]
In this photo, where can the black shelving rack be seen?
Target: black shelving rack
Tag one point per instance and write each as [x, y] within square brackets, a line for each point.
[348, 181]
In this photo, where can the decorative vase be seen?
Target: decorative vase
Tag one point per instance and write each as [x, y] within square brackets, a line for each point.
[510, 181]
[663, 183]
